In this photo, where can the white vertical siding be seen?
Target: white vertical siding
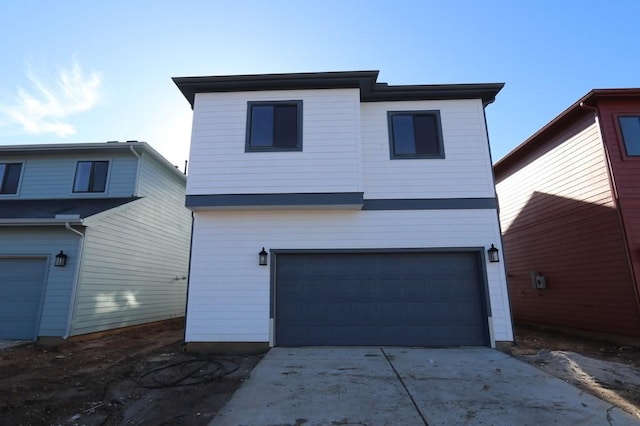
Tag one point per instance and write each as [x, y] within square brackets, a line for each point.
[465, 172]
[47, 241]
[229, 292]
[51, 176]
[133, 255]
[329, 162]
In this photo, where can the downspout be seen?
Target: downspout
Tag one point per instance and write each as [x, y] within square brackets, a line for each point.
[614, 191]
[76, 277]
[138, 167]
[186, 304]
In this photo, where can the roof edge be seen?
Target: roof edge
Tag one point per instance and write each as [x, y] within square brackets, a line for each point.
[365, 81]
[93, 146]
[529, 144]
[39, 222]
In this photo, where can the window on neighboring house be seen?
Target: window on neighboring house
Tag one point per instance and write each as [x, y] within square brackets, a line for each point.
[274, 126]
[630, 128]
[9, 177]
[91, 176]
[415, 134]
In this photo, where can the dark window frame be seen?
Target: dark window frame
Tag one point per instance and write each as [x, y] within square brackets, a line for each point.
[413, 113]
[5, 173]
[249, 147]
[92, 177]
[625, 143]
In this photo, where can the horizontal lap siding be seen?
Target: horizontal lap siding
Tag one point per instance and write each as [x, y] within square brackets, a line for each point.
[229, 292]
[46, 242]
[559, 219]
[626, 171]
[465, 172]
[52, 176]
[132, 258]
[329, 162]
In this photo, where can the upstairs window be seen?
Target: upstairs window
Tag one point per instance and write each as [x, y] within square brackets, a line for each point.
[91, 176]
[415, 134]
[9, 177]
[274, 126]
[630, 129]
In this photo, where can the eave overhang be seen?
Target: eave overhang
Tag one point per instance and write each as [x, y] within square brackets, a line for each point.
[90, 148]
[365, 81]
[585, 105]
[40, 222]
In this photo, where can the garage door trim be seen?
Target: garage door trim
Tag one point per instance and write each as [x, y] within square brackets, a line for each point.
[478, 251]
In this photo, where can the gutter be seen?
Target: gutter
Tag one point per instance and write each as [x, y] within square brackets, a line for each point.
[138, 167]
[76, 276]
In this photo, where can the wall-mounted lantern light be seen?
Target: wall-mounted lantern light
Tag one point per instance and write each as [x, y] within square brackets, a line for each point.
[262, 257]
[61, 259]
[493, 254]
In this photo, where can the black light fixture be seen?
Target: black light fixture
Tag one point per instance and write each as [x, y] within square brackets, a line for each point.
[493, 254]
[262, 257]
[61, 259]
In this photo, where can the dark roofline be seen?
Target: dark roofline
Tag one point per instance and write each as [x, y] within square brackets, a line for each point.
[370, 90]
[58, 209]
[568, 115]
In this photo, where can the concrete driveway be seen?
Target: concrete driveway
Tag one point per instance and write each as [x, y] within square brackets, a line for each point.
[402, 386]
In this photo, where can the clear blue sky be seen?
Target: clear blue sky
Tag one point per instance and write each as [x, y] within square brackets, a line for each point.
[94, 71]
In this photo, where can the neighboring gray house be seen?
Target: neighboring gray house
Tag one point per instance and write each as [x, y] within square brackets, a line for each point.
[92, 237]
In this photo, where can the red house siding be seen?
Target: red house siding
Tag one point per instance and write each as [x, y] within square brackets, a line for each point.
[626, 175]
[559, 218]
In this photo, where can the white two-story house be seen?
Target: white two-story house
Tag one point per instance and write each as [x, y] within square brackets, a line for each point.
[330, 209]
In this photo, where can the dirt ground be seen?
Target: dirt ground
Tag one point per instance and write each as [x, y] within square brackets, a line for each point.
[142, 376]
[134, 377]
[606, 370]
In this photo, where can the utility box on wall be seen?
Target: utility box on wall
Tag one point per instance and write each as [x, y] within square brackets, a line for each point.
[538, 281]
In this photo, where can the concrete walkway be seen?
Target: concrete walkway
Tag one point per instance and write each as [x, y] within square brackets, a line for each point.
[401, 386]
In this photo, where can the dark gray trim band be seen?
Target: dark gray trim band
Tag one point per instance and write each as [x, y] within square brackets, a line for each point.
[431, 204]
[257, 200]
[338, 199]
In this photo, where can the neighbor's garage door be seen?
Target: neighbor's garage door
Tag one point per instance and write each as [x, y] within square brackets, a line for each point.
[399, 299]
[21, 287]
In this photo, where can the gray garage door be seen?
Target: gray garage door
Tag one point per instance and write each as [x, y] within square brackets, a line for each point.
[21, 287]
[393, 299]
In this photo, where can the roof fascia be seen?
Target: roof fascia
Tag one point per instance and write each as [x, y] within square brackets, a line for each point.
[365, 81]
[590, 99]
[81, 148]
[40, 222]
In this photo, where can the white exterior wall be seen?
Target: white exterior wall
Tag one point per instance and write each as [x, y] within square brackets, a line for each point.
[229, 293]
[329, 162]
[465, 172]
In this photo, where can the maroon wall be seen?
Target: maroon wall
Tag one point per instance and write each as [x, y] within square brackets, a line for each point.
[569, 230]
[626, 176]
